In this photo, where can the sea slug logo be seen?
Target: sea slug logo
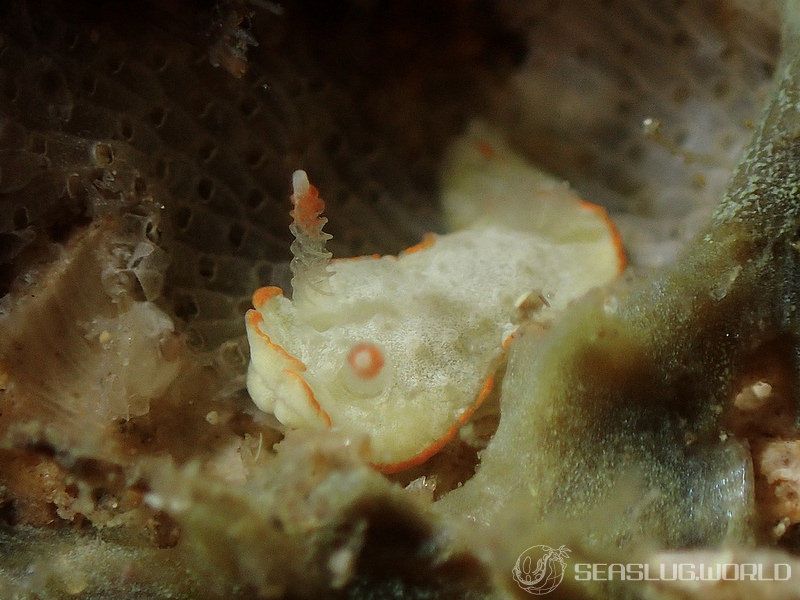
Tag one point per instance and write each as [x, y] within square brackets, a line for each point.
[540, 569]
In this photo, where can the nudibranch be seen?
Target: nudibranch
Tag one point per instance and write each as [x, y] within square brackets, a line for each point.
[403, 349]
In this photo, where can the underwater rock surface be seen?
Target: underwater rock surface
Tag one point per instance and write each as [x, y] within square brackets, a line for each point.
[145, 157]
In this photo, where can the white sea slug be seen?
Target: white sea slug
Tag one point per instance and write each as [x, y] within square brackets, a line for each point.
[404, 349]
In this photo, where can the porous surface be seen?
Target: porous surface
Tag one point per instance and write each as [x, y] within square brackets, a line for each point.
[144, 196]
